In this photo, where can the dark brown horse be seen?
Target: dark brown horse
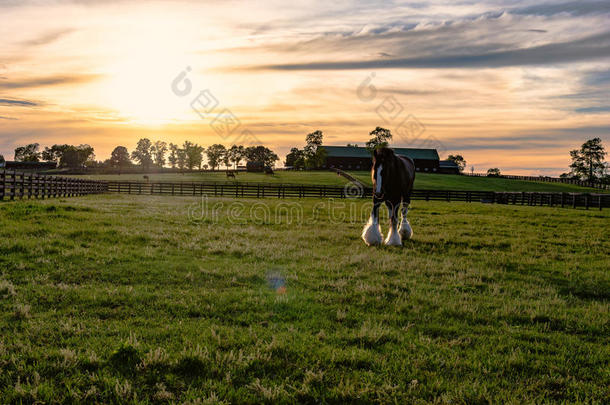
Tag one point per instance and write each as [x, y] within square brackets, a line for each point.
[393, 178]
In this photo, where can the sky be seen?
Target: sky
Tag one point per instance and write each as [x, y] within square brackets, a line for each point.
[509, 84]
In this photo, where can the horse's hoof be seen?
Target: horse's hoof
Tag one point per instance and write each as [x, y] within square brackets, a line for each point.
[405, 231]
[393, 239]
[371, 234]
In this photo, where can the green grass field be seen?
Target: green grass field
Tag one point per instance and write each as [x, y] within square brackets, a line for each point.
[279, 176]
[433, 181]
[139, 299]
[422, 180]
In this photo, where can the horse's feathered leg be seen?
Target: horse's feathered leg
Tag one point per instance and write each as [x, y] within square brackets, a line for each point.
[405, 230]
[393, 238]
[371, 234]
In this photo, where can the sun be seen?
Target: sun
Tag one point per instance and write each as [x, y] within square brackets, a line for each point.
[139, 77]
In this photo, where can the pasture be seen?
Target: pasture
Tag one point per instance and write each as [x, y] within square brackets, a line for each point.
[429, 181]
[279, 176]
[434, 181]
[139, 299]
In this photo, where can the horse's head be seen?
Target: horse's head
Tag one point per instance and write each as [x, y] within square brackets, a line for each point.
[383, 161]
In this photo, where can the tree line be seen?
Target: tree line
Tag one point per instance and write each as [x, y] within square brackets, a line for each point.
[588, 162]
[148, 154]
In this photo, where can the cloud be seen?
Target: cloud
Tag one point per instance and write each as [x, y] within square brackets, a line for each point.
[597, 78]
[19, 103]
[588, 48]
[593, 110]
[46, 38]
[47, 81]
[575, 8]
[8, 118]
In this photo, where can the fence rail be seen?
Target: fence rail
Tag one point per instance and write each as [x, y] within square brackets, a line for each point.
[576, 182]
[21, 185]
[266, 190]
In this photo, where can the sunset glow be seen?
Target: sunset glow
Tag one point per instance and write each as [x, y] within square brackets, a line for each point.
[508, 84]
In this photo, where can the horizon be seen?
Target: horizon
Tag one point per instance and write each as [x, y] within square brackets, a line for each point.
[508, 84]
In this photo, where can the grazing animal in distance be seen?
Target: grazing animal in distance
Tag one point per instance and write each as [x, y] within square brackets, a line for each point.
[230, 174]
[393, 178]
[146, 178]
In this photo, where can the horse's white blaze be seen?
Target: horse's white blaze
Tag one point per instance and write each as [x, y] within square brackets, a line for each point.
[378, 179]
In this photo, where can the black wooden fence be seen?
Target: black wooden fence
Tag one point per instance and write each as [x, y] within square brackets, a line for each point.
[32, 185]
[576, 182]
[226, 189]
[267, 190]
[15, 184]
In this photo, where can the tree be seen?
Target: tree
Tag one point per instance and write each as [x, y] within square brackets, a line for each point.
[74, 157]
[215, 153]
[173, 155]
[28, 153]
[380, 137]
[181, 158]
[158, 150]
[313, 153]
[194, 154]
[296, 158]
[588, 161]
[2, 161]
[349, 145]
[119, 158]
[495, 172]
[458, 160]
[236, 154]
[143, 153]
[54, 153]
[261, 154]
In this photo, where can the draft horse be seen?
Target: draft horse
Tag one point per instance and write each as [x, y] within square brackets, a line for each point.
[393, 178]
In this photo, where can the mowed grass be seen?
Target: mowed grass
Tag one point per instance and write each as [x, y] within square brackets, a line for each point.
[429, 181]
[278, 177]
[139, 299]
[434, 181]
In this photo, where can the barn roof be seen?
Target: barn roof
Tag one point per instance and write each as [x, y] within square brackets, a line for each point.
[359, 152]
[448, 164]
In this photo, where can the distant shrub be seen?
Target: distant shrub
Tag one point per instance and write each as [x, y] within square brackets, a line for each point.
[495, 172]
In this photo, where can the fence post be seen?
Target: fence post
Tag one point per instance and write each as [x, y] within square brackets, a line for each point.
[3, 178]
[587, 201]
[30, 186]
[14, 183]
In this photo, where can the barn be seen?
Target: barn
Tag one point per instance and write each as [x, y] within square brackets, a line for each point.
[359, 158]
[448, 167]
